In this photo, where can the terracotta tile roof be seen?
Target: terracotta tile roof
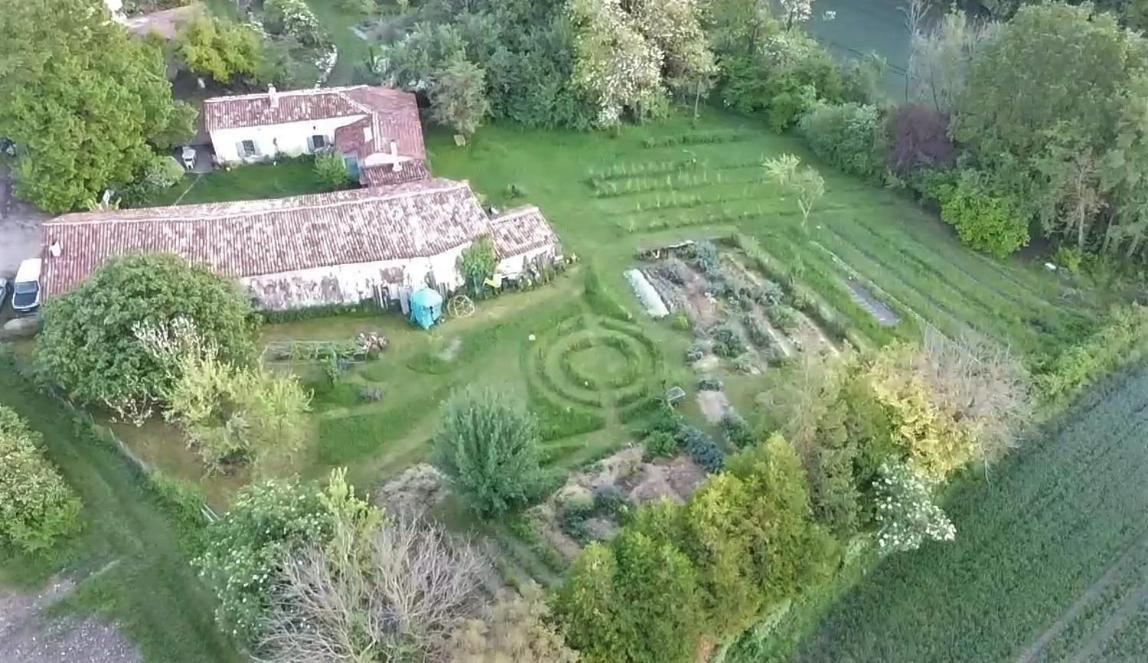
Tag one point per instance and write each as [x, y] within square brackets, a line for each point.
[251, 238]
[520, 230]
[391, 114]
[385, 174]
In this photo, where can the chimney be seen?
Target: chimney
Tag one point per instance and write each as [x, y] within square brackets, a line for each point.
[395, 157]
[272, 96]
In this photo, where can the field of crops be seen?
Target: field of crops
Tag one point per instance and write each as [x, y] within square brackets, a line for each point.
[1050, 561]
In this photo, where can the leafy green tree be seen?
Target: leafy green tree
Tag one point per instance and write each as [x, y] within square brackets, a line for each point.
[244, 549]
[1051, 65]
[331, 170]
[219, 48]
[489, 449]
[849, 136]
[805, 184]
[89, 344]
[985, 220]
[36, 506]
[237, 415]
[85, 102]
[458, 98]
[635, 600]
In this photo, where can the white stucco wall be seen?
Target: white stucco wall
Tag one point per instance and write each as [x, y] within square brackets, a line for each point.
[350, 284]
[288, 139]
[512, 266]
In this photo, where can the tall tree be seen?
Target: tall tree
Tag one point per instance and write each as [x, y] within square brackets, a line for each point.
[84, 102]
[458, 98]
[1051, 64]
[939, 59]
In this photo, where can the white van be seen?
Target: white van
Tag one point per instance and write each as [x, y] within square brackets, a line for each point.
[26, 291]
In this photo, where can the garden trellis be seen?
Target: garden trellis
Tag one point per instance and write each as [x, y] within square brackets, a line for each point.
[363, 347]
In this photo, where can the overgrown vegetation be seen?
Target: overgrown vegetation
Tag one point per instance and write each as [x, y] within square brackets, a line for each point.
[36, 506]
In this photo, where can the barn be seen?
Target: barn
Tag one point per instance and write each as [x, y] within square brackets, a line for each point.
[343, 247]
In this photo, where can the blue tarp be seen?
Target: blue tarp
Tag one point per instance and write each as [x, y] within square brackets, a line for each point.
[426, 307]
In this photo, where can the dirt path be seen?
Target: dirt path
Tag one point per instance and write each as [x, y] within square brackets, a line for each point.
[29, 635]
[1136, 597]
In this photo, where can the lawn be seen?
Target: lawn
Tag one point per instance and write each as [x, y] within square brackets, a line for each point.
[1050, 560]
[609, 195]
[131, 559]
[289, 177]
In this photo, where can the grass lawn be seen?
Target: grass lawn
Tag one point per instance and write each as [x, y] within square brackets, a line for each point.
[353, 51]
[133, 568]
[608, 195]
[1050, 561]
[289, 177]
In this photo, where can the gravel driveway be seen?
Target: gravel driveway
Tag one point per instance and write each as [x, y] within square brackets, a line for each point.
[27, 635]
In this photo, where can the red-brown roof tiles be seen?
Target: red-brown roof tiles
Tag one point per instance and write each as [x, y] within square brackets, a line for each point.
[520, 230]
[251, 238]
[392, 114]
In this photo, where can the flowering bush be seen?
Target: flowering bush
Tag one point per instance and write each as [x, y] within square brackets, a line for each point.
[906, 514]
[293, 18]
[245, 549]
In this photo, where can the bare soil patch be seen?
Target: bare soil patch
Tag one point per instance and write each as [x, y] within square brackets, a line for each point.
[28, 635]
[713, 404]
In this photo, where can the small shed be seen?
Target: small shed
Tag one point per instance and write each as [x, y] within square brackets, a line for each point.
[426, 307]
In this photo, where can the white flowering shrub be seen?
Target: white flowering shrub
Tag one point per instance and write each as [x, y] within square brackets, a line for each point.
[245, 549]
[615, 66]
[293, 18]
[906, 514]
[792, 12]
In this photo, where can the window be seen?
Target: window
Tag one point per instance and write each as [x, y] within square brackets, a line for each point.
[318, 142]
[247, 148]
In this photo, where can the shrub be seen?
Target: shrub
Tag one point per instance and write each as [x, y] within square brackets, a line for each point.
[331, 171]
[476, 264]
[710, 383]
[727, 342]
[219, 48]
[489, 449]
[664, 420]
[696, 351]
[636, 599]
[36, 506]
[920, 140]
[245, 548]
[705, 257]
[681, 322]
[738, 433]
[984, 220]
[234, 416]
[661, 444]
[906, 514]
[89, 346]
[295, 19]
[701, 448]
[849, 136]
[1118, 342]
[756, 332]
[516, 629]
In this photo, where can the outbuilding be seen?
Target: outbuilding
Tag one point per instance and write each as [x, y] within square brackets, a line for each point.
[343, 247]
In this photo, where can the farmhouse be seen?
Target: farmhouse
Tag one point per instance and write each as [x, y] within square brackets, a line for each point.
[375, 129]
[343, 247]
